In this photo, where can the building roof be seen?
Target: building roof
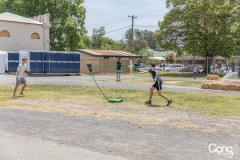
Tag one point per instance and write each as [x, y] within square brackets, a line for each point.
[190, 58]
[108, 53]
[159, 53]
[156, 53]
[16, 18]
[220, 58]
[158, 58]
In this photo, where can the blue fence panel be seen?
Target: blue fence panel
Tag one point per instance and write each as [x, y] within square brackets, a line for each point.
[71, 63]
[40, 62]
[53, 63]
[65, 63]
[47, 66]
[33, 62]
[13, 61]
[59, 61]
[77, 63]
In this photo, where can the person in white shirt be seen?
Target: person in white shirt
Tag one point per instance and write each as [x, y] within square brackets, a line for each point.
[195, 70]
[21, 77]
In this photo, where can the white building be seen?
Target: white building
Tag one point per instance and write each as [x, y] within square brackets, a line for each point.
[20, 33]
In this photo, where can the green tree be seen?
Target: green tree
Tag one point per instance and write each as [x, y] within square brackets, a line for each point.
[66, 17]
[201, 27]
[235, 27]
[146, 53]
[109, 44]
[149, 37]
[101, 42]
[87, 41]
[98, 34]
[138, 42]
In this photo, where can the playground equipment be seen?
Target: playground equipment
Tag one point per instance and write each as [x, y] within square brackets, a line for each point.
[116, 99]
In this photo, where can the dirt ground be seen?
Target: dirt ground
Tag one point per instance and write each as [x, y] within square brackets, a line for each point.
[150, 133]
[123, 132]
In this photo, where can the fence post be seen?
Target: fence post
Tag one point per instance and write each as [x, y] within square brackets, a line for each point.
[182, 64]
[207, 65]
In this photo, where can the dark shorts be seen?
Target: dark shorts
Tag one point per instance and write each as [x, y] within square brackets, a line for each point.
[21, 81]
[158, 85]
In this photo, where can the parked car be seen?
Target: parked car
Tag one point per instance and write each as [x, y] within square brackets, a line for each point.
[176, 67]
[168, 67]
[190, 68]
[173, 67]
[144, 67]
[158, 67]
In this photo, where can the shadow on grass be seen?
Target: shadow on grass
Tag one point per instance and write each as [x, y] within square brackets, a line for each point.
[154, 105]
[17, 97]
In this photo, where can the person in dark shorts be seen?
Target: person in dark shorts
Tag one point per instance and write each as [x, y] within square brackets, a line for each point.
[119, 69]
[157, 85]
[21, 77]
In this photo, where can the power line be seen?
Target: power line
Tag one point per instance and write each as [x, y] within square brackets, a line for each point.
[152, 16]
[115, 19]
[108, 24]
[119, 20]
[118, 29]
[146, 26]
[115, 35]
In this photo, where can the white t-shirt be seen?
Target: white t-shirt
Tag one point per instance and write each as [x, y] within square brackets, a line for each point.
[21, 69]
[195, 69]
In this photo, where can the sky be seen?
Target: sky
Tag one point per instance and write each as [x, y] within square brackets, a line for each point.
[113, 15]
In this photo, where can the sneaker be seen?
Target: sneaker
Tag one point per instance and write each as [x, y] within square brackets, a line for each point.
[148, 102]
[169, 102]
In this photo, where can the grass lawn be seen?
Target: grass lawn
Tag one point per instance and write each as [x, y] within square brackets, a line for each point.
[147, 80]
[214, 104]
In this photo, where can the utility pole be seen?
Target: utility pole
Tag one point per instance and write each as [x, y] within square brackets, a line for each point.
[133, 17]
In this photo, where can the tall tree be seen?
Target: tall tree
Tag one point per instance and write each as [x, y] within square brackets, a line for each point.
[235, 27]
[109, 44]
[101, 42]
[138, 42]
[87, 41]
[149, 37]
[200, 27]
[98, 34]
[66, 17]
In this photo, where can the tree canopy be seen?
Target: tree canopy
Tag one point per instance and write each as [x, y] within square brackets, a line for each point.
[200, 27]
[100, 41]
[138, 42]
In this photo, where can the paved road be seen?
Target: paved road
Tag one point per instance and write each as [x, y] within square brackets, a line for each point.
[176, 136]
[16, 147]
[103, 81]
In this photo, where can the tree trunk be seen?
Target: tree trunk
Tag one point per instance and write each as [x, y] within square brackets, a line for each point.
[207, 64]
